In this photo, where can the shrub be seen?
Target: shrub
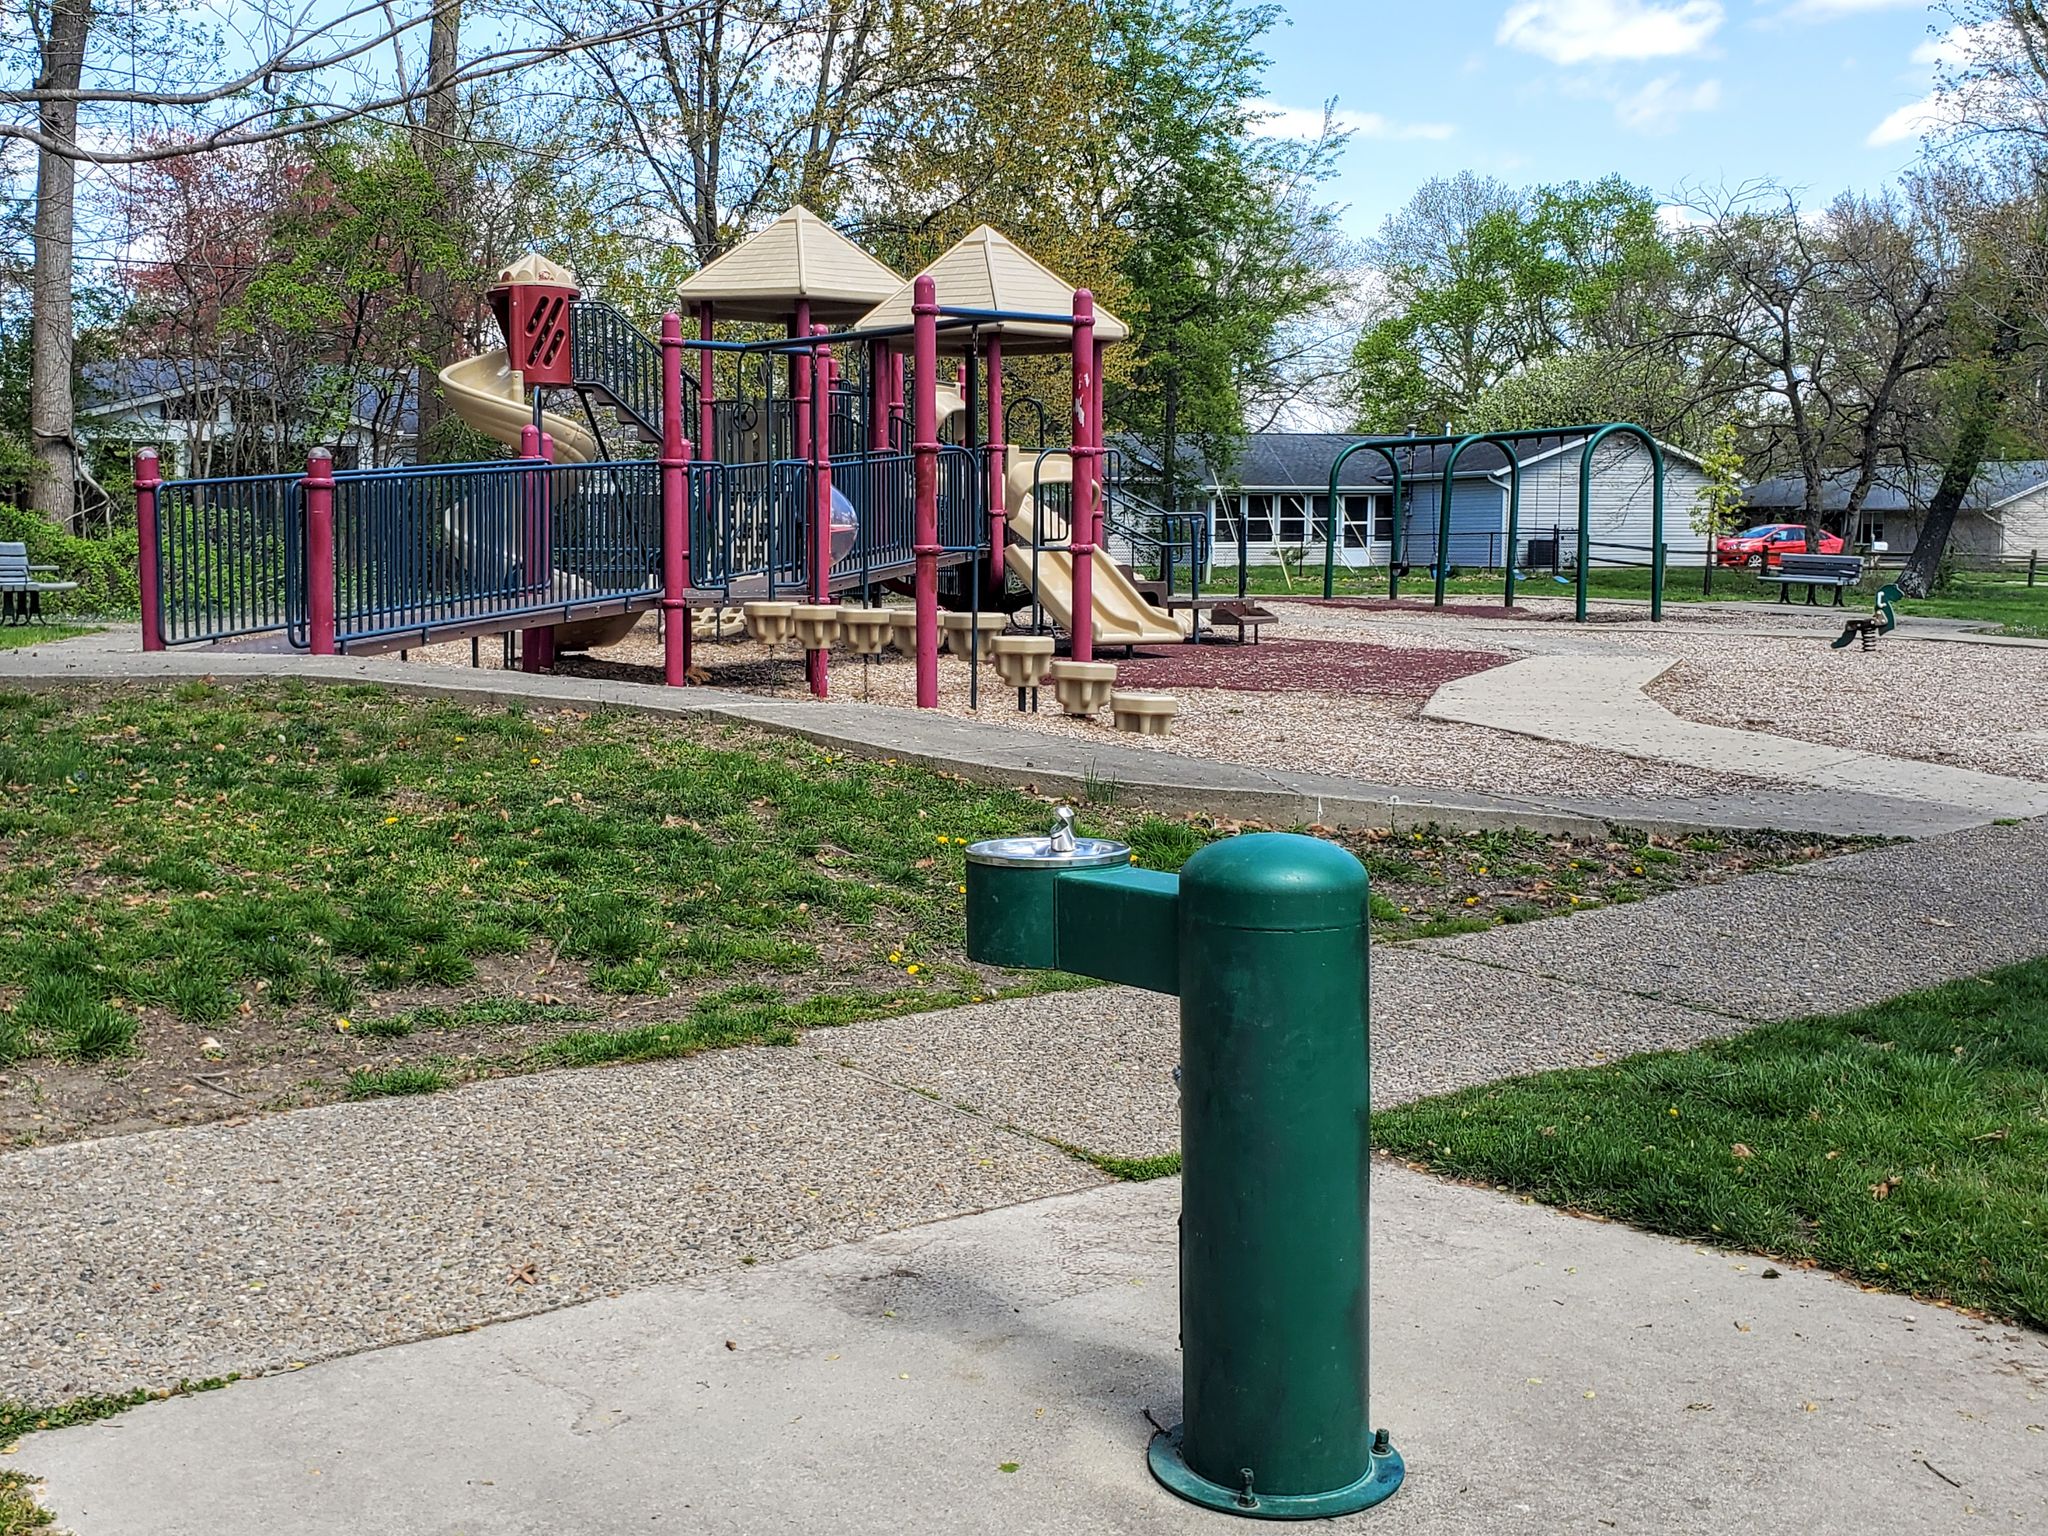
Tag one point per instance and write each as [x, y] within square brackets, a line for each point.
[104, 569]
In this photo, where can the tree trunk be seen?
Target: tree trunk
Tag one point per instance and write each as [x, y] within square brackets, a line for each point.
[53, 490]
[1965, 457]
[438, 297]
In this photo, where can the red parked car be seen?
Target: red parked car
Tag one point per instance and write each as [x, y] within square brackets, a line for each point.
[1767, 543]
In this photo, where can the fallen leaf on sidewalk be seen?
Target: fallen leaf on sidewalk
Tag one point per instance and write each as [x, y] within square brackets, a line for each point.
[525, 1274]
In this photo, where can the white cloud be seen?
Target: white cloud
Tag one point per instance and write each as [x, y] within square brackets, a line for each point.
[1657, 106]
[1828, 10]
[1282, 122]
[1915, 120]
[1579, 31]
[1953, 51]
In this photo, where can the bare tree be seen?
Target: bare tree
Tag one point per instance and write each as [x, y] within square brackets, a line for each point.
[1812, 331]
[308, 75]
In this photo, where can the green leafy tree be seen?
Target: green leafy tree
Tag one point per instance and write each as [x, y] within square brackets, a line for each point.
[1717, 505]
[1482, 282]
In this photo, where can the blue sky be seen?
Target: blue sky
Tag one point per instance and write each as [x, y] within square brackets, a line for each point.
[1819, 94]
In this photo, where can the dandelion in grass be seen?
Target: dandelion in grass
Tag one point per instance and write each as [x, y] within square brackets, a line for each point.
[910, 970]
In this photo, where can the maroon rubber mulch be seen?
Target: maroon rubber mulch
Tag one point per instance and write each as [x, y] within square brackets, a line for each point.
[1304, 666]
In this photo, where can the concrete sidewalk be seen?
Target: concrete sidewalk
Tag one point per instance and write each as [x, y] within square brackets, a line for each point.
[1001, 1374]
[992, 753]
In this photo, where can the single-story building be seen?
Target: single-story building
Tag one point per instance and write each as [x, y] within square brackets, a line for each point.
[203, 420]
[2004, 516]
[1275, 499]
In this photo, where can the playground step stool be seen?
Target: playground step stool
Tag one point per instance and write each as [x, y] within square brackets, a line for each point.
[718, 624]
[1083, 687]
[903, 629]
[1143, 714]
[816, 625]
[1021, 660]
[770, 622]
[958, 627]
[865, 630]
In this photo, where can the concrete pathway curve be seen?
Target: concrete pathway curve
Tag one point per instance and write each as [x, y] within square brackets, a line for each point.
[1598, 701]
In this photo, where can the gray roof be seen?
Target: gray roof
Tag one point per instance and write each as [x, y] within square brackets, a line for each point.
[122, 383]
[1895, 490]
[1300, 461]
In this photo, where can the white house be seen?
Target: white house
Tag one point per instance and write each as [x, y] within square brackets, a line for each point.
[1275, 499]
[198, 418]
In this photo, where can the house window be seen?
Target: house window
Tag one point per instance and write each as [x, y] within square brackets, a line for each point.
[1293, 520]
[1258, 517]
[1360, 520]
[1224, 513]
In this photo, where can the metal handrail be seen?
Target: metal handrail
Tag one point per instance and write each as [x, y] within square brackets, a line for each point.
[611, 355]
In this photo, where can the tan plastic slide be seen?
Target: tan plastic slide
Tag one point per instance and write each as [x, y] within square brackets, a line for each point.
[489, 395]
[1122, 616]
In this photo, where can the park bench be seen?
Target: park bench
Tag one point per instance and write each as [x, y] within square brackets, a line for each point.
[1242, 617]
[1814, 572]
[21, 590]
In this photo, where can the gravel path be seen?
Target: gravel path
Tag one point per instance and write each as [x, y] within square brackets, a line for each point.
[1978, 707]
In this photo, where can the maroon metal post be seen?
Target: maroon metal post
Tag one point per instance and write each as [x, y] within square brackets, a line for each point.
[319, 486]
[896, 396]
[924, 342]
[675, 505]
[800, 386]
[998, 461]
[706, 382]
[1081, 518]
[879, 353]
[817, 663]
[148, 572]
[533, 446]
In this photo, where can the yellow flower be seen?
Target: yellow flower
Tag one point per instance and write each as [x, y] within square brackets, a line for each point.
[1471, 901]
[911, 970]
[533, 762]
[341, 1024]
[1482, 869]
[895, 956]
[460, 740]
[963, 890]
[390, 821]
[1674, 1111]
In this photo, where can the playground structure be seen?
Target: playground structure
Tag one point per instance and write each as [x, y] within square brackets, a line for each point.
[820, 464]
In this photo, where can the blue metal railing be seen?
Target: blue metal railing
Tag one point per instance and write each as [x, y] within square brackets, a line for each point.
[229, 558]
[419, 550]
[748, 521]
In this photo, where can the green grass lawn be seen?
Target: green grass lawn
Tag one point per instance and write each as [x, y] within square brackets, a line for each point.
[19, 636]
[270, 896]
[1905, 1145]
[1990, 598]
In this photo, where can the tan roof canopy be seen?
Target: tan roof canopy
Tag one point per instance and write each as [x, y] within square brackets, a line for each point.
[799, 256]
[988, 270]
